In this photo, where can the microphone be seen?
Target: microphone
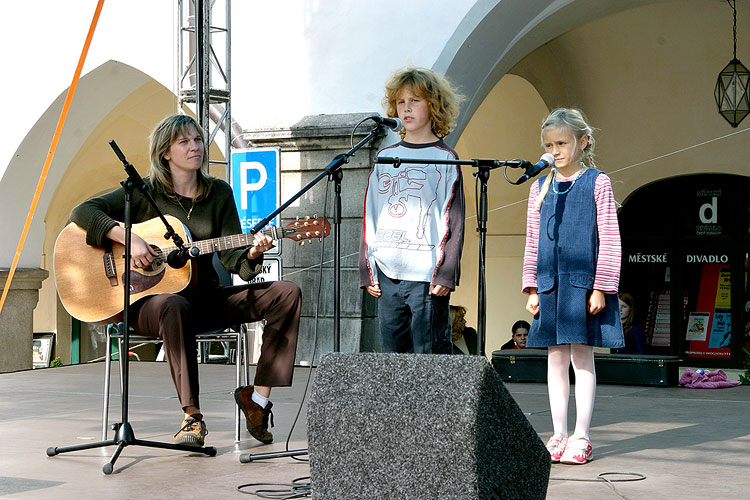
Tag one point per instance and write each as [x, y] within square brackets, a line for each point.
[547, 160]
[178, 258]
[392, 123]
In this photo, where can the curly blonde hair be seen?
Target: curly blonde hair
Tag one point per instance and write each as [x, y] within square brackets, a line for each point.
[443, 101]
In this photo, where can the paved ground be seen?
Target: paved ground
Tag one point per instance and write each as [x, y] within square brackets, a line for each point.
[690, 444]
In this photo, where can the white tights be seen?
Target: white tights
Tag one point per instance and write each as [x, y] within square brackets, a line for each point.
[558, 387]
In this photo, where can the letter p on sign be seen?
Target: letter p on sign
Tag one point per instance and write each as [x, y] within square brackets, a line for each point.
[245, 186]
[256, 186]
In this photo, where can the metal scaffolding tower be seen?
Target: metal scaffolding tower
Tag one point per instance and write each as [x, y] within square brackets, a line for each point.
[203, 79]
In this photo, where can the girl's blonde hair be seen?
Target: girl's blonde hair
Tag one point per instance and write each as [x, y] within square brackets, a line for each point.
[163, 136]
[443, 101]
[574, 121]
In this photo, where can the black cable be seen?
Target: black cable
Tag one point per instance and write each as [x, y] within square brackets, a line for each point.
[296, 489]
[351, 136]
[609, 482]
[315, 329]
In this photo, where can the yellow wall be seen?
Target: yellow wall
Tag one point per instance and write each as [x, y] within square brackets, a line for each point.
[506, 126]
[645, 79]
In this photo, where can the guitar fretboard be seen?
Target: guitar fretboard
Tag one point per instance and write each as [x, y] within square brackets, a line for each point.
[226, 242]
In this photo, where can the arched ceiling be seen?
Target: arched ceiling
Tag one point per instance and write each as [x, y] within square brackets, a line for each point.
[496, 34]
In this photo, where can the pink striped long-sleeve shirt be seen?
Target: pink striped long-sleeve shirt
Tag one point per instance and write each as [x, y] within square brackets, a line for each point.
[610, 252]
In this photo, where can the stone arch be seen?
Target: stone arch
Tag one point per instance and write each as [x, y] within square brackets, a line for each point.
[113, 101]
[495, 35]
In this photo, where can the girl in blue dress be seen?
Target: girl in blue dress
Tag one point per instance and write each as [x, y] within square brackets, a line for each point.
[571, 273]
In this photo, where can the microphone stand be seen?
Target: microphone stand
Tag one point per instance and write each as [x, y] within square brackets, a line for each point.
[483, 166]
[124, 435]
[335, 173]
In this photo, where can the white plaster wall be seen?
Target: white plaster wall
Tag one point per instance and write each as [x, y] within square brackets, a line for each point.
[289, 59]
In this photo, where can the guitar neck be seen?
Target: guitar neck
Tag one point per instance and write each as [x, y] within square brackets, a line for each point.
[227, 242]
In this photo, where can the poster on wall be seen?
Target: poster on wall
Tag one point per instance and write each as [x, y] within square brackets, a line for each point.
[709, 324]
[41, 349]
[697, 325]
[658, 325]
[721, 331]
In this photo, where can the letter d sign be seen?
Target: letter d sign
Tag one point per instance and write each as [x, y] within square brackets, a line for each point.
[711, 208]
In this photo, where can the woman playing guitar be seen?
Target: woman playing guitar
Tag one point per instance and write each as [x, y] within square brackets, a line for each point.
[179, 183]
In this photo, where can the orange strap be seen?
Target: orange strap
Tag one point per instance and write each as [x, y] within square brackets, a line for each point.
[52, 148]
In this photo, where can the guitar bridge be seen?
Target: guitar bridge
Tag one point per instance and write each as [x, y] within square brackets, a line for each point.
[109, 268]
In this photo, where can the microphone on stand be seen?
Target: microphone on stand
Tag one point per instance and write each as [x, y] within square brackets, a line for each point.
[392, 123]
[547, 160]
[178, 258]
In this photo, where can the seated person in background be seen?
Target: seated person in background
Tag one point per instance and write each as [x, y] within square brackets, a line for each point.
[464, 338]
[634, 335]
[520, 334]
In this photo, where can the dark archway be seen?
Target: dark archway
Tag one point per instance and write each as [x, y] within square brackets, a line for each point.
[686, 255]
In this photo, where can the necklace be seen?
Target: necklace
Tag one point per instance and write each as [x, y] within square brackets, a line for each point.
[572, 183]
[188, 212]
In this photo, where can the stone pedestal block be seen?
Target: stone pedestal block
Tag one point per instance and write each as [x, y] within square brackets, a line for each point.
[307, 148]
[16, 318]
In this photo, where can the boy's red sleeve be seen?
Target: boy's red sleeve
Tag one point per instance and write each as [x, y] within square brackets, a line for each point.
[448, 271]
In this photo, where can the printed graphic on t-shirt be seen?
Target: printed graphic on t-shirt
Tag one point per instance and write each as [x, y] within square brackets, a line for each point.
[395, 238]
[407, 193]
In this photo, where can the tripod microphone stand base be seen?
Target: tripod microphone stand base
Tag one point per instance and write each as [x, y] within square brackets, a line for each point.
[124, 436]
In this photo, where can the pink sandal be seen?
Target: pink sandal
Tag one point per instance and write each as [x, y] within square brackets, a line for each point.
[577, 452]
[556, 447]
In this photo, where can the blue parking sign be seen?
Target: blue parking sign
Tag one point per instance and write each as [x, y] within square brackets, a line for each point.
[256, 175]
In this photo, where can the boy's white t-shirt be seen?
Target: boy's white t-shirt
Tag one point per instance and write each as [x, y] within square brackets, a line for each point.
[406, 212]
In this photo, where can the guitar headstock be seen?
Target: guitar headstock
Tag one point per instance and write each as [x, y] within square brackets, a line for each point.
[307, 229]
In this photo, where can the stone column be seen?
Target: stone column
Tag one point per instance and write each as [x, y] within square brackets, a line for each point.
[307, 147]
[17, 318]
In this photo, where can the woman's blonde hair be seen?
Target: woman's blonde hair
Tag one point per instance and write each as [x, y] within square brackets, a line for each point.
[627, 323]
[457, 313]
[573, 121]
[443, 101]
[162, 137]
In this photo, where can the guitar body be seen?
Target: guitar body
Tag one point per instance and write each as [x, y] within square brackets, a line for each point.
[90, 279]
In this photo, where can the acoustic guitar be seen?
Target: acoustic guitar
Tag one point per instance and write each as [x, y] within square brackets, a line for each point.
[90, 279]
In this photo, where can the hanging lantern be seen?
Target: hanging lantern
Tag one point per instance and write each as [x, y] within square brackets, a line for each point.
[732, 91]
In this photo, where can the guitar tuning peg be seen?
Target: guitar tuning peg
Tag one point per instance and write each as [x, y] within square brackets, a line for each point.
[301, 243]
[307, 217]
[317, 233]
[320, 239]
[296, 218]
[315, 216]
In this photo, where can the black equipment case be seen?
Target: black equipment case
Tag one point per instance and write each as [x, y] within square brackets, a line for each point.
[530, 365]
